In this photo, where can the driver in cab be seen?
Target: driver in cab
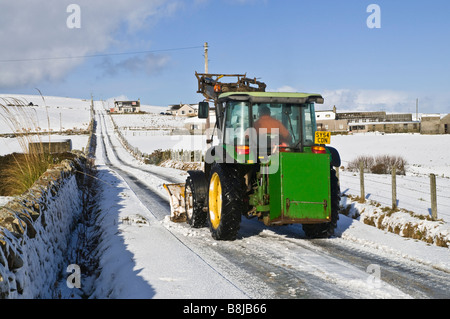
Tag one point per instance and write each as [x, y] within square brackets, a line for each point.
[266, 121]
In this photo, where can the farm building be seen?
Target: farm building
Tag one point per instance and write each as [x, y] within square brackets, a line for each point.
[198, 126]
[327, 121]
[336, 122]
[444, 126]
[385, 127]
[333, 121]
[435, 124]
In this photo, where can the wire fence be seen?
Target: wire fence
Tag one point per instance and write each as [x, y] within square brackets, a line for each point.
[427, 193]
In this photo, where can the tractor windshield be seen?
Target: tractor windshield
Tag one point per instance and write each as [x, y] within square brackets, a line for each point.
[291, 125]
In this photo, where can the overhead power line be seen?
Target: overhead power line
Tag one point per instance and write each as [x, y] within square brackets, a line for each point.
[99, 55]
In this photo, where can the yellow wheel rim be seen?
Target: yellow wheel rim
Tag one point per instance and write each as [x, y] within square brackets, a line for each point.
[215, 200]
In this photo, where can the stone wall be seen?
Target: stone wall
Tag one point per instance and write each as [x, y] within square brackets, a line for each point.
[59, 146]
[35, 229]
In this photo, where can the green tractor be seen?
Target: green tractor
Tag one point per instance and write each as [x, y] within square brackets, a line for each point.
[280, 174]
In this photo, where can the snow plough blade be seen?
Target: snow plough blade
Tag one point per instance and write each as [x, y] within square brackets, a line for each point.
[177, 204]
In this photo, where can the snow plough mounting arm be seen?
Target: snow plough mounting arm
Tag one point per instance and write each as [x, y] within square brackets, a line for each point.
[210, 86]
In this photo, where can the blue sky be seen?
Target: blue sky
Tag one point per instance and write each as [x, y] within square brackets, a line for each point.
[320, 46]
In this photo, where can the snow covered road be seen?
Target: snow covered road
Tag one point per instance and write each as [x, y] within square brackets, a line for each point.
[144, 255]
[148, 261]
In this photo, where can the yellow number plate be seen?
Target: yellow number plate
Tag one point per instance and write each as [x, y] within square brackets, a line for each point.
[322, 137]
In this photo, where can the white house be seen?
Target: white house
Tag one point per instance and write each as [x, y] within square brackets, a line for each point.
[198, 126]
[325, 115]
[183, 109]
[126, 107]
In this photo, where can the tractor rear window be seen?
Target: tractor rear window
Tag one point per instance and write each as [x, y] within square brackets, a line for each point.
[297, 120]
[290, 124]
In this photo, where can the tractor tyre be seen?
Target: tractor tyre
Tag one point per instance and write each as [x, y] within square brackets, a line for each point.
[225, 201]
[195, 192]
[326, 230]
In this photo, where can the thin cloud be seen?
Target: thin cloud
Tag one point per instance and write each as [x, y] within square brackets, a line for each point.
[369, 100]
[286, 88]
[149, 64]
[36, 29]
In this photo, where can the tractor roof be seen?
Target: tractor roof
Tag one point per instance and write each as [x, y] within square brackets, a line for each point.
[273, 97]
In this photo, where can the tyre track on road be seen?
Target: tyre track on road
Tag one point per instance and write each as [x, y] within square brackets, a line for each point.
[167, 178]
[152, 199]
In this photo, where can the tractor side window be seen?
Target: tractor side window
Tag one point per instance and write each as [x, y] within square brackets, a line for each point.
[237, 122]
[291, 119]
[309, 124]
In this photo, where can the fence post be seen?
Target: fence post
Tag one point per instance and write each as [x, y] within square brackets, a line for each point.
[187, 155]
[433, 197]
[361, 182]
[197, 156]
[394, 188]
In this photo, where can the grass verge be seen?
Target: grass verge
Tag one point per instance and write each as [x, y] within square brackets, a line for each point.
[19, 171]
[398, 221]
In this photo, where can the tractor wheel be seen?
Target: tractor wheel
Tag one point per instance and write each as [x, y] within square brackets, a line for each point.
[326, 230]
[195, 192]
[225, 201]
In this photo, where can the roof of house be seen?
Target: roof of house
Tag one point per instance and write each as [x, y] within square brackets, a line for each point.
[179, 106]
[128, 102]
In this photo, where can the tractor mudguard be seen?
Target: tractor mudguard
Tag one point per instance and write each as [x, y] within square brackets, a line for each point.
[196, 191]
[201, 183]
[335, 157]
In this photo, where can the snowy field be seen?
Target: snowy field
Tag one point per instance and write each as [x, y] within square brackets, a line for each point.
[148, 142]
[12, 145]
[52, 114]
[425, 154]
[148, 120]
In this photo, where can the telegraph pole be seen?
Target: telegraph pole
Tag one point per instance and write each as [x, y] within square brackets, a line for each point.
[417, 109]
[206, 58]
[208, 123]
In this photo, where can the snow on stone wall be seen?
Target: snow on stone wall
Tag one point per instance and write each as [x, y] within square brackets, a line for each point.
[35, 230]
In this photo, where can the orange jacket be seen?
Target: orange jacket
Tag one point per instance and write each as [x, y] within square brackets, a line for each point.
[269, 123]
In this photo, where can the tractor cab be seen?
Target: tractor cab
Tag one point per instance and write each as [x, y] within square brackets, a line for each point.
[258, 124]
